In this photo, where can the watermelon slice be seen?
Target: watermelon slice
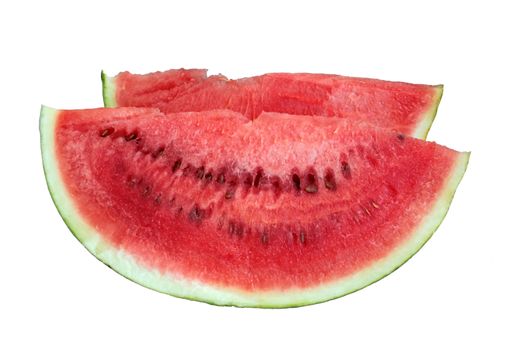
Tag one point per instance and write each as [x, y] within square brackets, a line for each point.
[277, 212]
[407, 108]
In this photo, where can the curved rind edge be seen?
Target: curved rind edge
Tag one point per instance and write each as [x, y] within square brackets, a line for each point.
[181, 287]
[109, 92]
[56, 187]
[424, 125]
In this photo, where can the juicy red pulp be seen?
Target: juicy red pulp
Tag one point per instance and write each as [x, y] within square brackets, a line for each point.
[277, 203]
[393, 105]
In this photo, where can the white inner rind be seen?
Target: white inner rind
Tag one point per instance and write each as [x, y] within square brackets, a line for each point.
[180, 286]
[422, 129]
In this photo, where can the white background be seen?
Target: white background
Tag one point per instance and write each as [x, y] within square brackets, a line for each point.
[464, 289]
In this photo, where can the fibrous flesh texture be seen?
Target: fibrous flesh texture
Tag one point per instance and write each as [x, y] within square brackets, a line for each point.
[272, 212]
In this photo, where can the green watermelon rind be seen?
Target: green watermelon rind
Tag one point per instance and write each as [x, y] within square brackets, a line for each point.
[423, 127]
[109, 91]
[181, 287]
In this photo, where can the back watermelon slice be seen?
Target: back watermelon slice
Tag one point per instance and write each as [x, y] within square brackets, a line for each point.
[407, 108]
[276, 212]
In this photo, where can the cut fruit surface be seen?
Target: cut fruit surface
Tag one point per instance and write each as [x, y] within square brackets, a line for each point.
[276, 212]
[406, 108]
[149, 88]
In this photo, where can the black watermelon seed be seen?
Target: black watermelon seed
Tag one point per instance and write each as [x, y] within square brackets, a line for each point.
[311, 186]
[107, 132]
[329, 181]
[258, 177]
[229, 194]
[176, 165]
[296, 182]
[158, 152]
[345, 169]
[248, 180]
[199, 173]
[131, 137]
[195, 214]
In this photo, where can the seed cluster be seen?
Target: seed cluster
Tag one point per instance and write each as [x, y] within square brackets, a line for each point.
[231, 181]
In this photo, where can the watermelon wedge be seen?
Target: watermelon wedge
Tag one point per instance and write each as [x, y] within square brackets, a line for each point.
[276, 212]
[407, 108]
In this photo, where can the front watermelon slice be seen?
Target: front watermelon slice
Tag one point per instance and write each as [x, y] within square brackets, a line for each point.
[277, 212]
[407, 108]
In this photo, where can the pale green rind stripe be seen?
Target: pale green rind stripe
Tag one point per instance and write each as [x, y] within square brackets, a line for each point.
[108, 90]
[182, 287]
[422, 129]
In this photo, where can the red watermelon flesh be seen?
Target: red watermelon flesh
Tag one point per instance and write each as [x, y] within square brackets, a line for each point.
[407, 108]
[156, 87]
[281, 211]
